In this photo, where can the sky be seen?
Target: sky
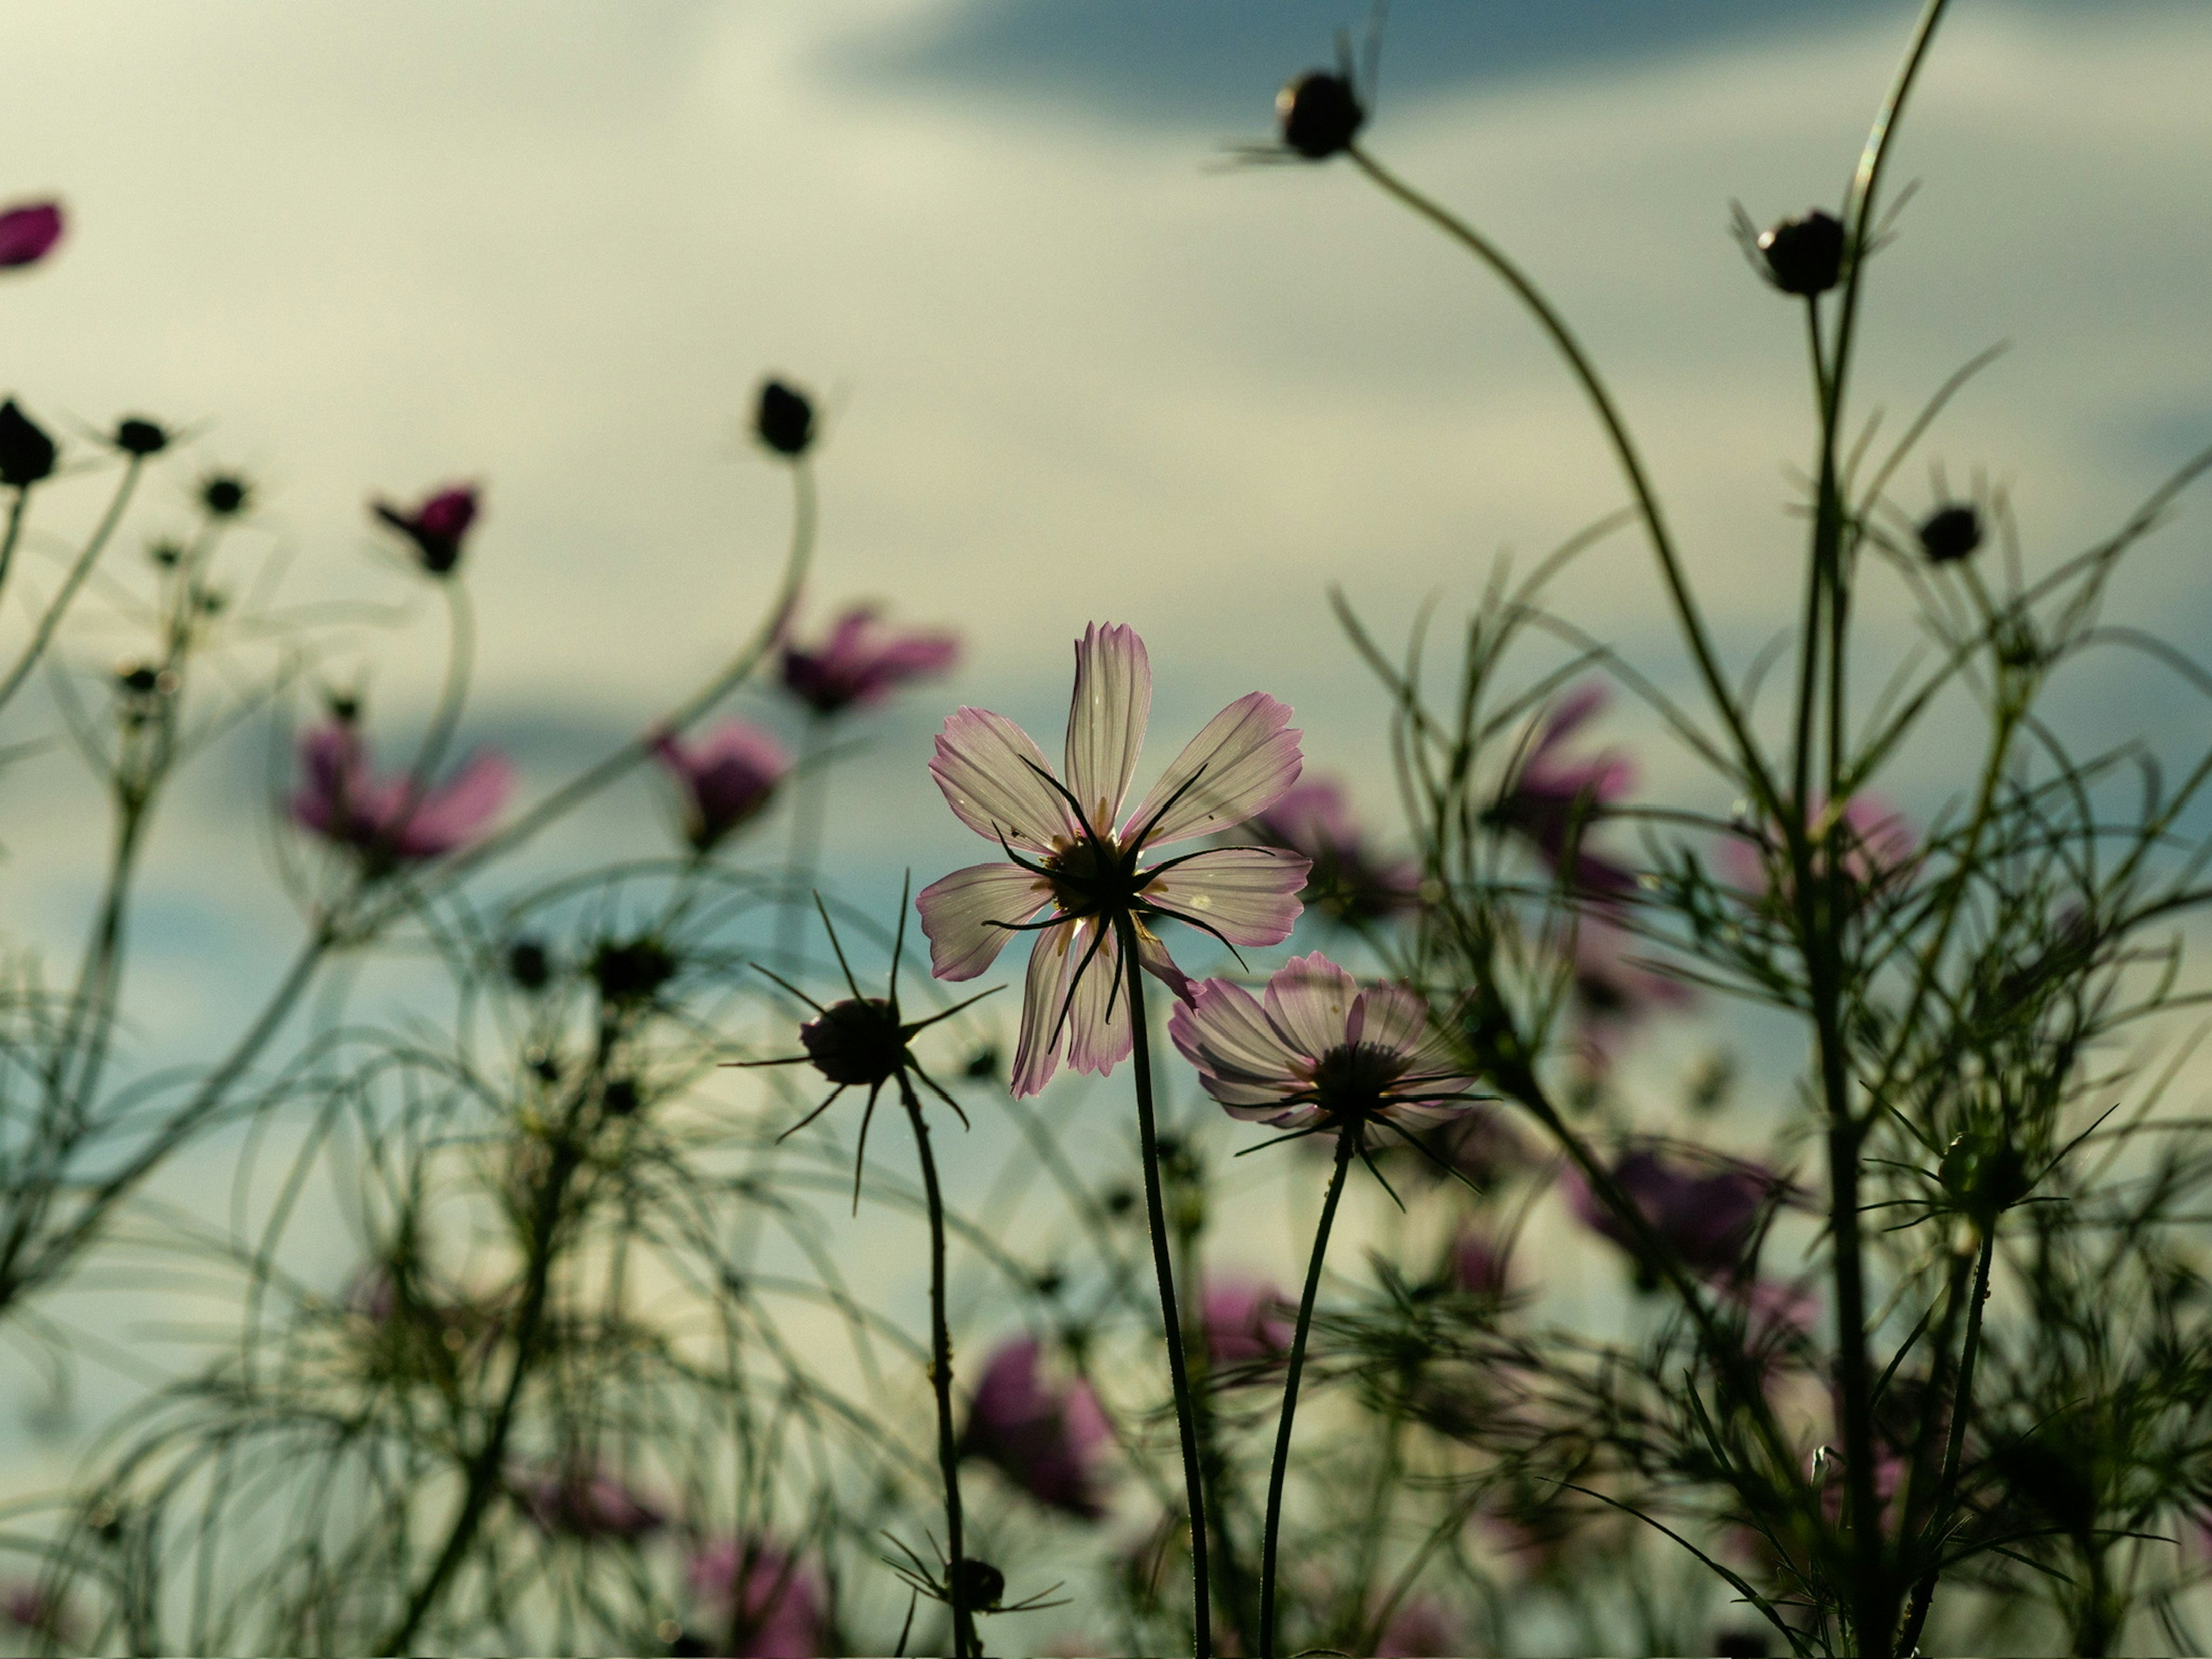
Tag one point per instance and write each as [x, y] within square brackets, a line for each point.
[1075, 362]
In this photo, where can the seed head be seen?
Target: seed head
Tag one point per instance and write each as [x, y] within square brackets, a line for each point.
[225, 496]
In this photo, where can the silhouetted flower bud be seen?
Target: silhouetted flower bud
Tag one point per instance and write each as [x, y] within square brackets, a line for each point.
[139, 679]
[1985, 1175]
[527, 963]
[28, 233]
[619, 1098]
[1319, 114]
[631, 972]
[1120, 1200]
[784, 419]
[27, 454]
[1804, 256]
[167, 554]
[983, 1063]
[980, 1584]
[436, 525]
[224, 495]
[1950, 533]
[136, 435]
[857, 1041]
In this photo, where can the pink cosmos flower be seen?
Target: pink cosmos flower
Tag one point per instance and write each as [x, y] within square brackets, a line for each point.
[1880, 848]
[863, 661]
[1613, 993]
[1317, 1051]
[383, 819]
[1707, 1215]
[727, 778]
[1553, 800]
[1066, 854]
[764, 1596]
[1348, 881]
[1047, 1441]
[28, 233]
[1478, 1264]
[436, 527]
[1245, 1322]
[587, 1507]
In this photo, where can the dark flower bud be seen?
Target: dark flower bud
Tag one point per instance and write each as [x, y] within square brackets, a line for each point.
[784, 419]
[1984, 1176]
[1318, 115]
[619, 1098]
[27, 454]
[166, 553]
[544, 1066]
[978, 1583]
[857, 1041]
[437, 526]
[527, 963]
[1950, 533]
[1120, 1200]
[983, 1063]
[140, 679]
[1050, 1282]
[225, 496]
[631, 972]
[1804, 256]
[136, 435]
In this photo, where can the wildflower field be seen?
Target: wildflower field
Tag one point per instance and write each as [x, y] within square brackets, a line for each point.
[1584, 1037]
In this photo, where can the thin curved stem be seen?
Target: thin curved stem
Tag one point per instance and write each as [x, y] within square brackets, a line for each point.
[940, 1379]
[1962, 1401]
[43, 635]
[1347, 1143]
[1163, 1268]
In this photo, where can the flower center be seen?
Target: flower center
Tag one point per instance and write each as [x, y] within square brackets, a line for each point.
[1352, 1081]
[856, 1043]
[1090, 878]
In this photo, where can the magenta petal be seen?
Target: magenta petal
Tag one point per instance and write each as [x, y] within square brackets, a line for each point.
[28, 233]
[1239, 765]
[957, 911]
[994, 778]
[1249, 895]
[456, 811]
[1106, 720]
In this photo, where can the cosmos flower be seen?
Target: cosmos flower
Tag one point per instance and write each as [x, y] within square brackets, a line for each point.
[436, 527]
[1879, 849]
[28, 233]
[1348, 882]
[1065, 854]
[1317, 1051]
[385, 819]
[1244, 1323]
[1478, 1264]
[862, 661]
[1047, 1441]
[1553, 799]
[727, 778]
[587, 1506]
[1707, 1215]
[764, 1596]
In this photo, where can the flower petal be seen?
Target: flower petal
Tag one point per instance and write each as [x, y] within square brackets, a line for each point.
[1098, 1031]
[1389, 1017]
[1249, 895]
[993, 779]
[1309, 1000]
[1242, 1059]
[1036, 1053]
[454, 812]
[957, 911]
[1106, 719]
[1152, 957]
[1243, 761]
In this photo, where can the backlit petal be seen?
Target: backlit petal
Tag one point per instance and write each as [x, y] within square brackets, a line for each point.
[1098, 1031]
[1242, 1059]
[1309, 999]
[1249, 895]
[993, 778]
[957, 911]
[1036, 1053]
[1106, 719]
[1242, 763]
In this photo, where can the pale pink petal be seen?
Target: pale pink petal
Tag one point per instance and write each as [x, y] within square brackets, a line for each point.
[1309, 999]
[1249, 895]
[1045, 993]
[1106, 720]
[1388, 1017]
[1244, 761]
[1241, 1058]
[455, 812]
[1098, 1031]
[957, 911]
[993, 778]
[1152, 957]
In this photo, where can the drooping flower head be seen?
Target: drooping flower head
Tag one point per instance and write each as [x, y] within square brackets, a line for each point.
[577, 1504]
[1245, 1322]
[388, 821]
[436, 525]
[1066, 854]
[1047, 1440]
[727, 778]
[1706, 1213]
[1318, 1052]
[1348, 882]
[28, 233]
[761, 1600]
[1553, 797]
[862, 660]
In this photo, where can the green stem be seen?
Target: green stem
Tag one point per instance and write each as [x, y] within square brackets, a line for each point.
[1163, 1268]
[43, 635]
[809, 805]
[940, 1377]
[1962, 1401]
[1347, 1143]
